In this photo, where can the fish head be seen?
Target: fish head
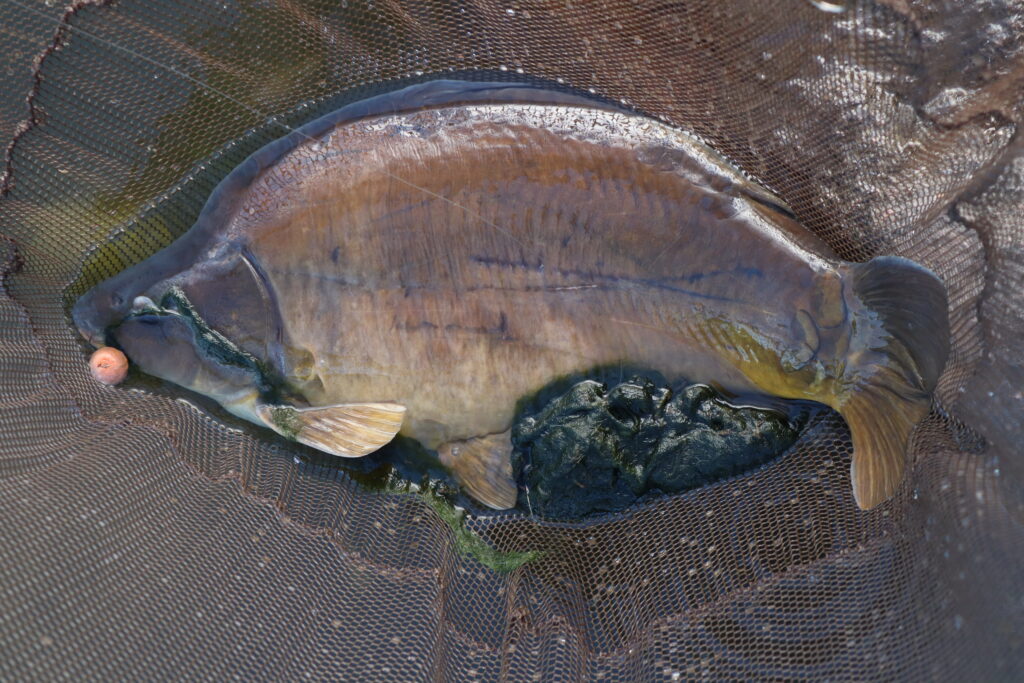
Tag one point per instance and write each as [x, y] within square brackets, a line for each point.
[108, 303]
[160, 343]
[100, 308]
[170, 342]
[219, 289]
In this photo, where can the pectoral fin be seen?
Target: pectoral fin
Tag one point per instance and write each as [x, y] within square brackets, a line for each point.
[483, 466]
[349, 430]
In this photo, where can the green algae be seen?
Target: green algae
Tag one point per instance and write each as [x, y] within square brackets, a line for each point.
[406, 467]
[469, 543]
[286, 420]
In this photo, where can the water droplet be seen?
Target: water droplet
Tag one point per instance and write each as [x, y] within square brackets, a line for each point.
[830, 6]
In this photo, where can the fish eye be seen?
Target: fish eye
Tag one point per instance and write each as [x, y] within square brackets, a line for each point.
[116, 300]
[141, 303]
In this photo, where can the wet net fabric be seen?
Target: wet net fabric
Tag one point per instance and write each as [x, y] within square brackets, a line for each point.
[143, 537]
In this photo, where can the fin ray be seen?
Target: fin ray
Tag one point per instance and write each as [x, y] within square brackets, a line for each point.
[911, 304]
[880, 423]
[892, 380]
[483, 466]
[348, 430]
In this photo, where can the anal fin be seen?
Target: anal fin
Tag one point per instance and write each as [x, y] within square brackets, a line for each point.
[349, 430]
[483, 466]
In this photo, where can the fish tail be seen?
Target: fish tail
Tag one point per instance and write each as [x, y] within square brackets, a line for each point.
[898, 350]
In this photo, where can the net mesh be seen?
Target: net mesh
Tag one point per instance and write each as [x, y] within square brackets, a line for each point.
[143, 538]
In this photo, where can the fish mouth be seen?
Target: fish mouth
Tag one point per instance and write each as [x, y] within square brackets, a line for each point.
[96, 340]
[98, 336]
[86, 328]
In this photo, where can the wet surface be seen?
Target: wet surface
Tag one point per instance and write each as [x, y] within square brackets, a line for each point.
[597, 449]
[144, 521]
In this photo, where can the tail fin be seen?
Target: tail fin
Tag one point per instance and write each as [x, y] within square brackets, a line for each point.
[896, 357]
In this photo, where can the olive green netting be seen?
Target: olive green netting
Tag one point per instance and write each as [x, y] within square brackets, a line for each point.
[144, 538]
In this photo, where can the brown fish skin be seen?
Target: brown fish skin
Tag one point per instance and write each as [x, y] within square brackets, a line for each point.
[470, 264]
[458, 259]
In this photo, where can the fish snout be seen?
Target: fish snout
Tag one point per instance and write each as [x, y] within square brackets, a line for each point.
[86, 321]
[92, 337]
[102, 308]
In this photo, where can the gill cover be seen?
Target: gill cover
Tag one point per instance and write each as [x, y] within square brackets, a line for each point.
[904, 330]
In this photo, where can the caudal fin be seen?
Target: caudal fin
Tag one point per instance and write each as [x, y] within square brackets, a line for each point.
[899, 348]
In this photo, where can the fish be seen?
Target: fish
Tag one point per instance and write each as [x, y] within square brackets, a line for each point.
[419, 263]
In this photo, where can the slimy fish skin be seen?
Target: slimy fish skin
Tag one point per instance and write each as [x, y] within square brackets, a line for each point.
[422, 271]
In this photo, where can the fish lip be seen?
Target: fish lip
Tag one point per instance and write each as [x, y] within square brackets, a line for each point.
[97, 336]
[88, 331]
[92, 337]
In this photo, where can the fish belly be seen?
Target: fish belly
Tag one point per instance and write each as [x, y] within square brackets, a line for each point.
[460, 363]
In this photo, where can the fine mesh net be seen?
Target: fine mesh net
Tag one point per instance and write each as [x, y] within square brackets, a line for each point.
[142, 537]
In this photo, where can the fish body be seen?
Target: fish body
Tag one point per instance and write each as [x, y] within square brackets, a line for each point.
[426, 270]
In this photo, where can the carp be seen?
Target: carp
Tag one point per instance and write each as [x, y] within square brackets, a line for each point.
[419, 271]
